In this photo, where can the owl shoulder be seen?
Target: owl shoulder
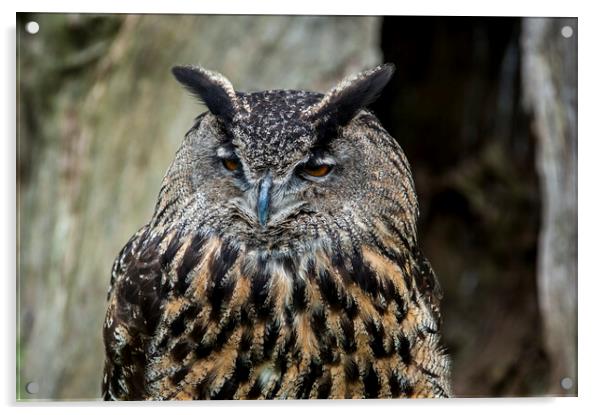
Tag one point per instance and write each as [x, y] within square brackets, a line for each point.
[428, 283]
[135, 298]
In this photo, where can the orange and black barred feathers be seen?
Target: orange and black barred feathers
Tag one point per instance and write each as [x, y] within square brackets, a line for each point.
[199, 317]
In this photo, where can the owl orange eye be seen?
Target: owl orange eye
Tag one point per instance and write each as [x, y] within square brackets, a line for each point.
[231, 164]
[318, 171]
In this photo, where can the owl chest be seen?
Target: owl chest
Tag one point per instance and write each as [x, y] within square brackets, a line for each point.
[281, 337]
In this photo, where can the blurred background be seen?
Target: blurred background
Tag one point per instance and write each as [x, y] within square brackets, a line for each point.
[485, 109]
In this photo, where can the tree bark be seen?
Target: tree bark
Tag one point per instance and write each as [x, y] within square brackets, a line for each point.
[550, 92]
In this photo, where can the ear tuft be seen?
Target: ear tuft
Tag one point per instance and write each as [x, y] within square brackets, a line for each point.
[344, 101]
[211, 88]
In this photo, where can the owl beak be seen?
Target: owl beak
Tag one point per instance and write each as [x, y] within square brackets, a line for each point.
[263, 199]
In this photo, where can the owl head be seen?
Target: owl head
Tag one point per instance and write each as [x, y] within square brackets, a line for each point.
[284, 169]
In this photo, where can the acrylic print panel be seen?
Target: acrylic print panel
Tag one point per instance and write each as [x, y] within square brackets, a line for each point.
[282, 254]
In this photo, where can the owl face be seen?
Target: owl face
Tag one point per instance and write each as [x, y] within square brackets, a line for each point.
[281, 170]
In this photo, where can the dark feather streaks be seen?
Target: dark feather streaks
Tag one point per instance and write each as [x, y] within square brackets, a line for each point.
[260, 291]
[299, 295]
[371, 384]
[221, 287]
[191, 258]
[179, 324]
[376, 339]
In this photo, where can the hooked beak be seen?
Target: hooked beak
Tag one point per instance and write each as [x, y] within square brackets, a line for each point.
[263, 199]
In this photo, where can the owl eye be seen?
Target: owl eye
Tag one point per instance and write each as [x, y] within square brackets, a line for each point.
[319, 170]
[231, 164]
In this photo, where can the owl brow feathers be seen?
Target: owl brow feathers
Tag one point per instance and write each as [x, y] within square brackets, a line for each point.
[211, 88]
[346, 99]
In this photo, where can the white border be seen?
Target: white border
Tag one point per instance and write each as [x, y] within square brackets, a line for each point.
[590, 136]
[377, 7]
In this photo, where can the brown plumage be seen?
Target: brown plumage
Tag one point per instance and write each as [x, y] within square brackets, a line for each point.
[281, 260]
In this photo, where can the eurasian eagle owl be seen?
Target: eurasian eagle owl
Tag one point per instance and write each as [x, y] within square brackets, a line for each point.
[281, 260]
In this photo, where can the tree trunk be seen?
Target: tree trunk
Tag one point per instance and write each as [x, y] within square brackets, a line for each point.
[550, 91]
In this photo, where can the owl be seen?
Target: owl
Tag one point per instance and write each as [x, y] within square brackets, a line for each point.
[281, 260]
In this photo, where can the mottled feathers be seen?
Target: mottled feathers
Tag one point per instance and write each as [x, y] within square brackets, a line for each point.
[325, 296]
